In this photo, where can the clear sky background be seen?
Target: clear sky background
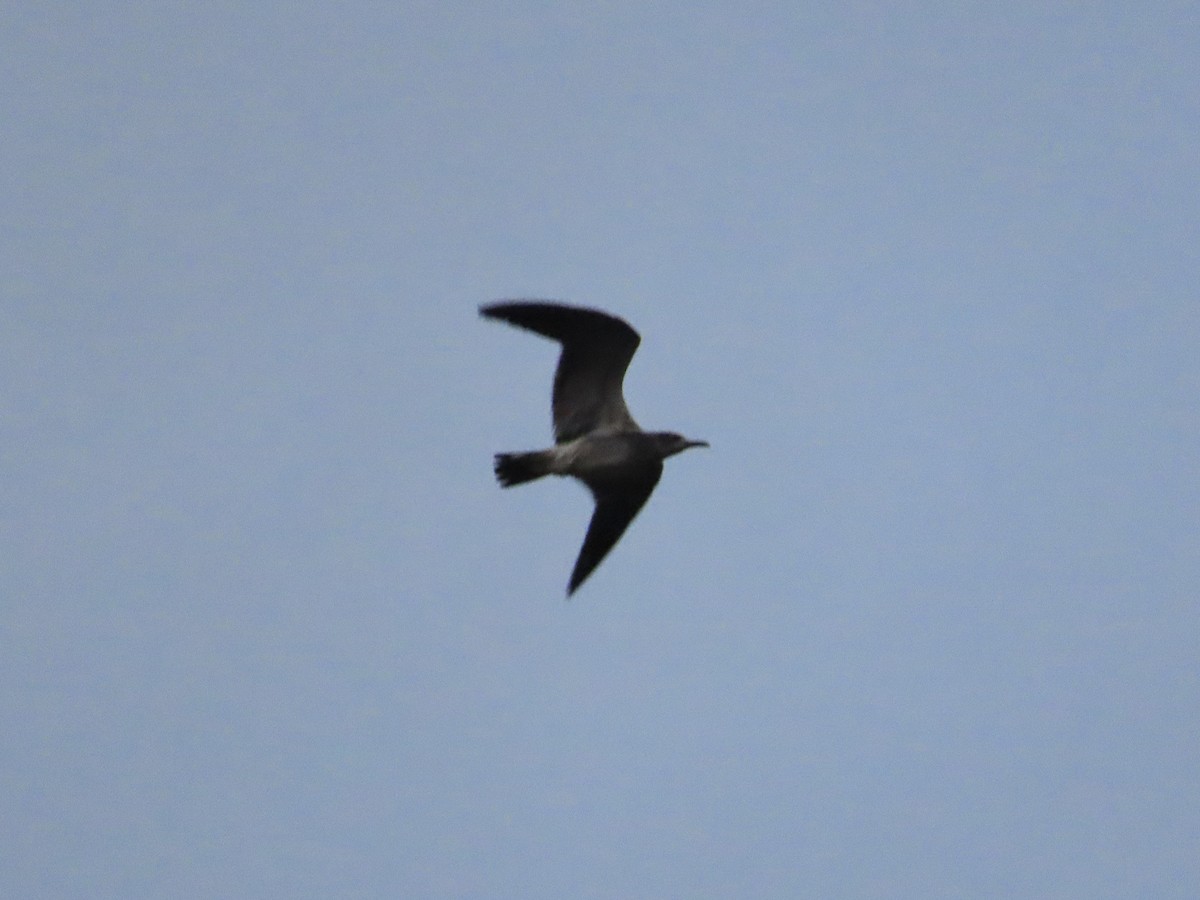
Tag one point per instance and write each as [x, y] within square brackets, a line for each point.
[923, 622]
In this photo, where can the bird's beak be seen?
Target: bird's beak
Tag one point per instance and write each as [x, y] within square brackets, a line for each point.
[689, 444]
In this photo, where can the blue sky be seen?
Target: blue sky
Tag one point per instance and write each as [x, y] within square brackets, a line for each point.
[921, 623]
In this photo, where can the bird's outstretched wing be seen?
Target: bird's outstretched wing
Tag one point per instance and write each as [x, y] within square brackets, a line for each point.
[616, 506]
[596, 350]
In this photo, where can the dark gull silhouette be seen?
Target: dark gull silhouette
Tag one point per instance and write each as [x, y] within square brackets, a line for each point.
[596, 439]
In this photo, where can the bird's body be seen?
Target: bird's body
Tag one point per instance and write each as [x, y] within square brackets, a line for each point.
[597, 440]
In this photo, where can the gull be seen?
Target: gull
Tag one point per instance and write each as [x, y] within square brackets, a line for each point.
[596, 440]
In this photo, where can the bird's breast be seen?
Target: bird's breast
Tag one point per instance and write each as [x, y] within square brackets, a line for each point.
[598, 455]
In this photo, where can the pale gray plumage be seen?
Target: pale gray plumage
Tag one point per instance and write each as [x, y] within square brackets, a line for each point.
[596, 439]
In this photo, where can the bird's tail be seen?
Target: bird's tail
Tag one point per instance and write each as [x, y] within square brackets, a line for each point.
[518, 468]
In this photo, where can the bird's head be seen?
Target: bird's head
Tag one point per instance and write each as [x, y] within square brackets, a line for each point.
[669, 443]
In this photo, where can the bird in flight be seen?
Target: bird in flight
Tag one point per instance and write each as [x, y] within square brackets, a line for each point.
[595, 438]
